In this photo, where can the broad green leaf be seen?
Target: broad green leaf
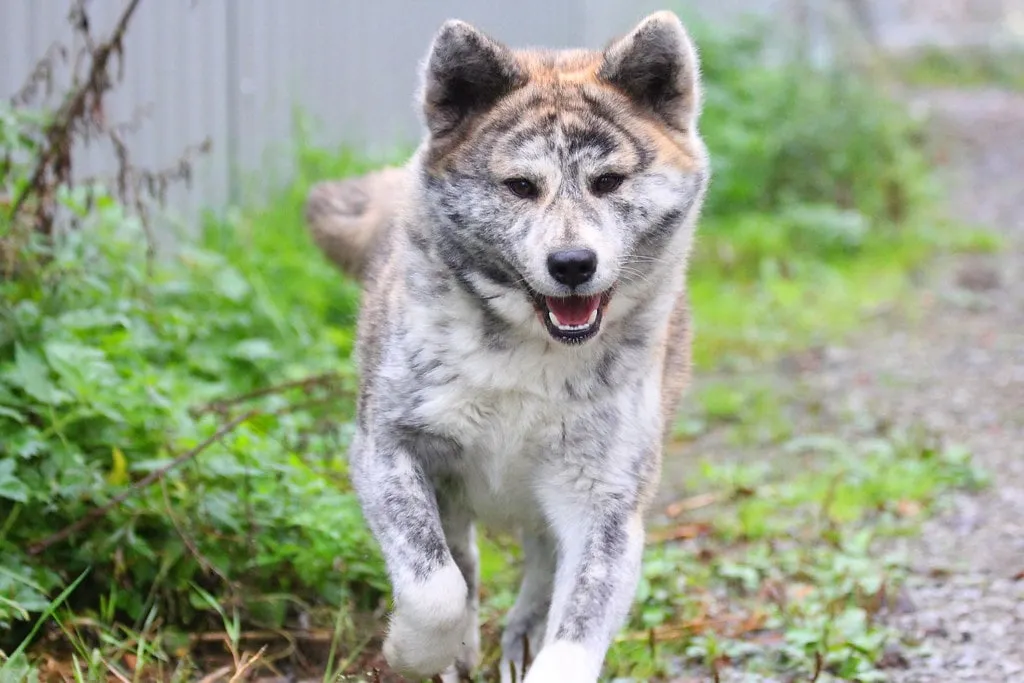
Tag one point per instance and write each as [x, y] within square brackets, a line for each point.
[11, 487]
[253, 350]
[231, 285]
[83, 368]
[32, 376]
[12, 414]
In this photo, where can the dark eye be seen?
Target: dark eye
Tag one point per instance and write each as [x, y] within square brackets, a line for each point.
[521, 187]
[603, 184]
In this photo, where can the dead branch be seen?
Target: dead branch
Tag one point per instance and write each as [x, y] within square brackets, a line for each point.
[138, 486]
[681, 532]
[95, 71]
[221, 405]
[85, 100]
[203, 561]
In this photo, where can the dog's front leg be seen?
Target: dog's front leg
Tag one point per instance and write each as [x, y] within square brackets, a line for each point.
[601, 547]
[432, 607]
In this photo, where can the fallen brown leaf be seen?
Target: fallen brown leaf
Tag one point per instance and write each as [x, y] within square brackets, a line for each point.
[908, 508]
[693, 503]
[800, 591]
[682, 532]
[732, 624]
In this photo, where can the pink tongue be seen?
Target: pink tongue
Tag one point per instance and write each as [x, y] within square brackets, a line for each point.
[573, 310]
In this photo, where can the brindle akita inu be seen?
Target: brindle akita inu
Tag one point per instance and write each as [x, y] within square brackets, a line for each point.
[524, 336]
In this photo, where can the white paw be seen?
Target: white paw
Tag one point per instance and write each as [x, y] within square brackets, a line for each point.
[429, 625]
[468, 657]
[451, 675]
[564, 663]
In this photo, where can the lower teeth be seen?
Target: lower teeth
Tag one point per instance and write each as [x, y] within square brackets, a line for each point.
[573, 328]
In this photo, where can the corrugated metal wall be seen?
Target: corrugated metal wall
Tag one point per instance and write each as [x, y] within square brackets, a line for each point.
[236, 70]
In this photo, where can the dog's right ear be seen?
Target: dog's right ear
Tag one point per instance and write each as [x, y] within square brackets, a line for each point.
[466, 73]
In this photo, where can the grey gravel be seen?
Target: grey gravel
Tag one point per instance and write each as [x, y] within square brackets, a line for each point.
[969, 613]
[954, 363]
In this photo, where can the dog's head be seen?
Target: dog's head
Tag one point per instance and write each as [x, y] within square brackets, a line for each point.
[558, 181]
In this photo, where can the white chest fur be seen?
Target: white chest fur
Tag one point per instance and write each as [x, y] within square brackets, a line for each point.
[506, 407]
[503, 435]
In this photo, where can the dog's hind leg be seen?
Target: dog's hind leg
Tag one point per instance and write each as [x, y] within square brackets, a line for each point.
[598, 570]
[461, 536]
[527, 619]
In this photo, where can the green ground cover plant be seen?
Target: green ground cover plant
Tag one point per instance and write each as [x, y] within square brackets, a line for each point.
[978, 67]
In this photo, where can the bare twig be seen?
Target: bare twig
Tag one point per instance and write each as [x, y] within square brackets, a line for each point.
[734, 625]
[216, 674]
[819, 666]
[141, 484]
[187, 540]
[246, 663]
[307, 635]
[220, 405]
[84, 101]
[682, 532]
[95, 70]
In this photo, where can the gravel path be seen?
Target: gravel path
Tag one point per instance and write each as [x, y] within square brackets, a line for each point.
[954, 363]
[961, 369]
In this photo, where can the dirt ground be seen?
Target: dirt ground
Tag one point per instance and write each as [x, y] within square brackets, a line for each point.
[955, 363]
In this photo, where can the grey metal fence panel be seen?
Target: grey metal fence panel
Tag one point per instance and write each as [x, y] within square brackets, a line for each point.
[236, 70]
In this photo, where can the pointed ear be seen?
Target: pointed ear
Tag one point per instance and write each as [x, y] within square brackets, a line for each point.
[657, 66]
[466, 73]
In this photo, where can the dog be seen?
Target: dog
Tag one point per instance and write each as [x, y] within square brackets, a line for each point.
[524, 335]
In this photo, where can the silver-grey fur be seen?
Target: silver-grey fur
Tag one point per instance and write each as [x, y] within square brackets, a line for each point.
[486, 392]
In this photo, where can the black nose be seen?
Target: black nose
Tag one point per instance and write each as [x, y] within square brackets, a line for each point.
[572, 267]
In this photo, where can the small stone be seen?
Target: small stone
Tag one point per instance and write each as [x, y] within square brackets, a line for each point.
[893, 658]
[978, 277]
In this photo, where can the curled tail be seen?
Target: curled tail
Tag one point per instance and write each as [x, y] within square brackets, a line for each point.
[349, 218]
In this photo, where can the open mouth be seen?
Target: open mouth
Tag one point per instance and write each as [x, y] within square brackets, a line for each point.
[572, 319]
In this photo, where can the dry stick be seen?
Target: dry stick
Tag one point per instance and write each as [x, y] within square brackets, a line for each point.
[307, 383]
[59, 132]
[153, 476]
[819, 666]
[187, 540]
[216, 675]
[247, 662]
[316, 636]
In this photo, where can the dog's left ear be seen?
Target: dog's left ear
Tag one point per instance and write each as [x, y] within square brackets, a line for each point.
[657, 66]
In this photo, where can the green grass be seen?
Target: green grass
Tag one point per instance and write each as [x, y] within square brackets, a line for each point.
[966, 68]
[790, 571]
